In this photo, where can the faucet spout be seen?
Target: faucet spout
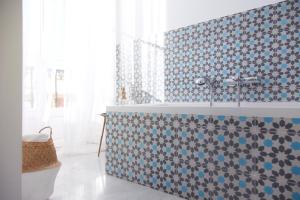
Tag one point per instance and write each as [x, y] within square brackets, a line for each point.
[211, 95]
[239, 91]
[239, 82]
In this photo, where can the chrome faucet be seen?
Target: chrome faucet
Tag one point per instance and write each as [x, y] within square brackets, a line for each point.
[239, 81]
[210, 82]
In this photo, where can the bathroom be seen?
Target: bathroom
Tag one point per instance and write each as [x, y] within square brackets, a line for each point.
[188, 99]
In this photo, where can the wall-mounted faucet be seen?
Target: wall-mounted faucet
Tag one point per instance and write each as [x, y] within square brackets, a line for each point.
[210, 82]
[239, 81]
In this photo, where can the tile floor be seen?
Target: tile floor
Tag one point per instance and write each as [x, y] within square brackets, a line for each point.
[83, 177]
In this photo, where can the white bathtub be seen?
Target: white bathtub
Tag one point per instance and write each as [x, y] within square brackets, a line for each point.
[279, 109]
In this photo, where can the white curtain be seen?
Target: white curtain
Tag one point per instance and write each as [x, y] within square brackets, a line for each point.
[140, 51]
[89, 56]
[76, 36]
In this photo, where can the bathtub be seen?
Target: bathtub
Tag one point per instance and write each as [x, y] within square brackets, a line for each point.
[197, 152]
[262, 109]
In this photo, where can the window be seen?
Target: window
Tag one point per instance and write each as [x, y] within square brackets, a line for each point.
[59, 89]
[28, 87]
[56, 80]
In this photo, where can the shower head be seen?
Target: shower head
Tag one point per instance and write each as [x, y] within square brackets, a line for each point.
[207, 81]
[201, 81]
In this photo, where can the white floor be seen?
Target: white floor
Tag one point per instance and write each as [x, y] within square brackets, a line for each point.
[83, 177]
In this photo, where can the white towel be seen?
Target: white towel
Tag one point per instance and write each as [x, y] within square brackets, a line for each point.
[38, 137]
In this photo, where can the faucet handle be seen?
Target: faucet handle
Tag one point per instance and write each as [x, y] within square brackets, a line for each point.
[232, 81]
[252, 80]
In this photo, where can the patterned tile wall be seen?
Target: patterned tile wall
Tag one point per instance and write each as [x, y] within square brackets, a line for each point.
[206, 157]
[262, 42]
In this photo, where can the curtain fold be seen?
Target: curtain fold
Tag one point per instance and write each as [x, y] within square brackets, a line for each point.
[140, 72]
[76, 37]
[140, 52]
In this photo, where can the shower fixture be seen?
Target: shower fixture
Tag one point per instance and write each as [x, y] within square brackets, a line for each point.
[239, 82]
[210, 82]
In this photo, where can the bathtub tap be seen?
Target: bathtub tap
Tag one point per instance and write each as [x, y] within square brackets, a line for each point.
[211, 83]
[239, 81]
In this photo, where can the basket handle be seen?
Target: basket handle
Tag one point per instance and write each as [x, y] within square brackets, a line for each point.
[47, 127]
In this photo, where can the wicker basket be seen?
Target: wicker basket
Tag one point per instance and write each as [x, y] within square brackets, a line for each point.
[39, 155]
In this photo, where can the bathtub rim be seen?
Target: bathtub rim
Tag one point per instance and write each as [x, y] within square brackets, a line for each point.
[279, 109]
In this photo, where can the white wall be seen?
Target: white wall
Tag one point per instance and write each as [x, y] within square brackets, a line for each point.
[182, 13]
[10, 98]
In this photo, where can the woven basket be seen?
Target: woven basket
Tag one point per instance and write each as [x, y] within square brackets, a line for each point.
[39, 155]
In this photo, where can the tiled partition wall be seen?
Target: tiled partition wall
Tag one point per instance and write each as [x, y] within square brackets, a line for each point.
[262, 42]
[206, 157]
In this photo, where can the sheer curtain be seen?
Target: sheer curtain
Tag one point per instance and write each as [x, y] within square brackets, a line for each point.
[89, 56]
[69, 53]
[140, 52]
